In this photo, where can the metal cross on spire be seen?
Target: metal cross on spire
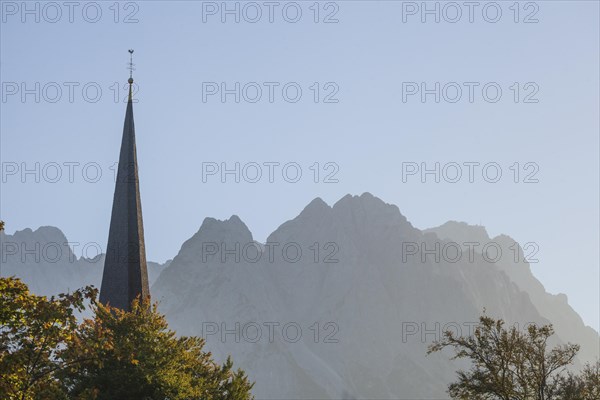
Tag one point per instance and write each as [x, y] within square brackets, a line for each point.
[131, 66]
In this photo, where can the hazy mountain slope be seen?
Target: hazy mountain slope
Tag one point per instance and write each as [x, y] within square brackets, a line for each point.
[340, 302]
[44, 260]
[378, 302]
[567, 323]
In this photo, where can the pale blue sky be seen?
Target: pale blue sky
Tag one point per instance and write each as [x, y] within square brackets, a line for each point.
[368, 133]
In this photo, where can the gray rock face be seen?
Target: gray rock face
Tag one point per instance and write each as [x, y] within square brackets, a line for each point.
[44, 260]
[125, 274]
[339, 302]
[567, 323]
[362, 285]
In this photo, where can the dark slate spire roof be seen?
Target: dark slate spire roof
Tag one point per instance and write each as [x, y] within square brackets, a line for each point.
[125, 272]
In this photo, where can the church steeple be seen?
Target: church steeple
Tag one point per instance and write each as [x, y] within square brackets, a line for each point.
[125, 274]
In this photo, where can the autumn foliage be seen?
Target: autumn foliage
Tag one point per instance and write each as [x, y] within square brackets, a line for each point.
[46, 352]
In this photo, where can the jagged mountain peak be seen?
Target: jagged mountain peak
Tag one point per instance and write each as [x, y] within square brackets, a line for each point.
[368, 210]
[43, 237]
[460, 231]
[233, 221]
[316, 207]
[46, 232]
[364, 200]
[363, 214]
[221, 229]
[503, 239]
[215, 233]
[366, 203]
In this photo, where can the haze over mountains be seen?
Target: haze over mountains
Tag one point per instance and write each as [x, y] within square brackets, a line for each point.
[341, 301]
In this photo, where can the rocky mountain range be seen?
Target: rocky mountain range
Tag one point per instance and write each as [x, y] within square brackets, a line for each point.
[339, 302]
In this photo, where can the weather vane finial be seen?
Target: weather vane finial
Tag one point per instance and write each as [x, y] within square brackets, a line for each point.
[131, 68]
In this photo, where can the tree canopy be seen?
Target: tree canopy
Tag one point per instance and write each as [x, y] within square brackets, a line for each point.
[46, 353]
[509, 364]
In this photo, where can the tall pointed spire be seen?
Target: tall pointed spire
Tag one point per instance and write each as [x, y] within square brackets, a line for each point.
[125, 271]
